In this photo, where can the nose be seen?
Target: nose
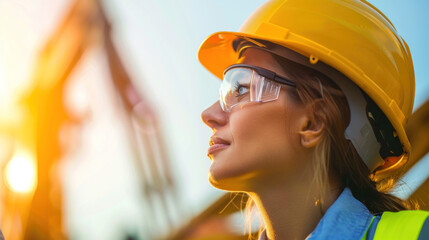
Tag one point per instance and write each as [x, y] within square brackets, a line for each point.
[214, 116]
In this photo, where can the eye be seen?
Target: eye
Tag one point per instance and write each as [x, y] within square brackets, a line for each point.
[242, 90]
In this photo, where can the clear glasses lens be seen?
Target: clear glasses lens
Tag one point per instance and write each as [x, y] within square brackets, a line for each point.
[243, 85]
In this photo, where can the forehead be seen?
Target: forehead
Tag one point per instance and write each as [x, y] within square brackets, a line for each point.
[261, 58]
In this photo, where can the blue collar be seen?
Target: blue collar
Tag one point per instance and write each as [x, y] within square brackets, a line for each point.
[347, 218]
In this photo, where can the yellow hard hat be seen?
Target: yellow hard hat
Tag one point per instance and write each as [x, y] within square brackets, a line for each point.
[351, 36]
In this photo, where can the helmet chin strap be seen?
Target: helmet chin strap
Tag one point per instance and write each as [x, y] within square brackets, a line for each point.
[359, 131]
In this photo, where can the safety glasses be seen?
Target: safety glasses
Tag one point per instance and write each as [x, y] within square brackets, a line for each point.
[244, 83]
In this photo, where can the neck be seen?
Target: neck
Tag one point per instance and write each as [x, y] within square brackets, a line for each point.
[291, 211]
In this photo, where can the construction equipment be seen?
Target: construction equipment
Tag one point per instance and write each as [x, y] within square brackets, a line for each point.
[37, 212]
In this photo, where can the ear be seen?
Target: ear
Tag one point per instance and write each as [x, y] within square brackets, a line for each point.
[311, 129]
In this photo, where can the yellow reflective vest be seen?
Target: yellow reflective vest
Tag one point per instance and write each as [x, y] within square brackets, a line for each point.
[403, 225]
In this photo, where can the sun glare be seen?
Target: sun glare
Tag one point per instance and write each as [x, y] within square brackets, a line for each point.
[20, 173]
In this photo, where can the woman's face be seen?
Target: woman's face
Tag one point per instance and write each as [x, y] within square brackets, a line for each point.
[257, 143]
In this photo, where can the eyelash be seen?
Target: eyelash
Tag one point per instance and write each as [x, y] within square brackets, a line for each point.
[237, 86]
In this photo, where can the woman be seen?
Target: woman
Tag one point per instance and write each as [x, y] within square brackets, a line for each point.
[310, 120]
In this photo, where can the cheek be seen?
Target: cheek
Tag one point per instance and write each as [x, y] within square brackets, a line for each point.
[264, 137]
[264, 143]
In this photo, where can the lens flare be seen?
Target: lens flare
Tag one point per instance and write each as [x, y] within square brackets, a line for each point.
[20, 173]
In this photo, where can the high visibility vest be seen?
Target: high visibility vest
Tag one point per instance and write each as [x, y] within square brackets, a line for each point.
[403, 225]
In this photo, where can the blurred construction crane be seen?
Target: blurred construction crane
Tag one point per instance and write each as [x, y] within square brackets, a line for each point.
[417, 130]
[36, 212]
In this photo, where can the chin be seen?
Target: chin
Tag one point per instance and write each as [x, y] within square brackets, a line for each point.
[228, 181]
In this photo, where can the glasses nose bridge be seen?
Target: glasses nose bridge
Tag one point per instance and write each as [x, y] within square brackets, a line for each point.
[214, 116]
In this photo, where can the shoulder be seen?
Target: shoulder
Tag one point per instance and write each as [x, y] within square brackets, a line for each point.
[424, 232]
[402, 225]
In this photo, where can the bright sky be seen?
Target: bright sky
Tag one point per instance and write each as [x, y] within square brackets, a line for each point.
[158, 41]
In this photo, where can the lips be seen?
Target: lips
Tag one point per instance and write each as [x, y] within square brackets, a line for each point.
[216, 144]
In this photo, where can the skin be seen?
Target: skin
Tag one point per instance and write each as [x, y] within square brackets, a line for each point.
[270, 157]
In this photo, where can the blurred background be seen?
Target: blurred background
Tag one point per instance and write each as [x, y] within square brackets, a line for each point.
[100, 129]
